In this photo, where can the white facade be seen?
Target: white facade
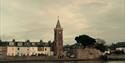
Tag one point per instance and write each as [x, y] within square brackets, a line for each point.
[121, 49]
[11, 51]
[22, 51]
[28, 51]
[33, 51]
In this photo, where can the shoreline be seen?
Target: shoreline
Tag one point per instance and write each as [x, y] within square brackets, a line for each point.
[46, 60]
[24, 59]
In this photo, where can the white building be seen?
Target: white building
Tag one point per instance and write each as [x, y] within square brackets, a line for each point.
[121, 49]
[28, 51]
[33, 51]
[22, 51]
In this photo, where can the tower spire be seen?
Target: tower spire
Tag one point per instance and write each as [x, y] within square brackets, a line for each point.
[58, 18]
[58, 23]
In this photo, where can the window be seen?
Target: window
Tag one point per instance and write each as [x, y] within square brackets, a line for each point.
[18, 49]
[45, 49]
[40, 49]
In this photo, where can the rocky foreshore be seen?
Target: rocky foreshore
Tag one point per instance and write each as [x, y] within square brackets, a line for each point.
[88, 53]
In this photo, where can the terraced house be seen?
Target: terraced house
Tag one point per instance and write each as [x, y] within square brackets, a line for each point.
[27, 48]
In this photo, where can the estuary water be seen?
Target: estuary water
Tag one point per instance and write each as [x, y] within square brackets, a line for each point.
[70, 62]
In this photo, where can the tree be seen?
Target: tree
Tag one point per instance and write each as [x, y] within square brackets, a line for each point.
[13, 40]
[117, 45]
[112, 46]
[0, 42]
[85, 40]
[49, 43]
[67, 47]
[120, 44]
[27, 40]
[41, 43]
[100, 44]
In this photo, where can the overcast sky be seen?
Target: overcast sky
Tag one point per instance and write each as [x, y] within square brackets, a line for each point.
[36, 19]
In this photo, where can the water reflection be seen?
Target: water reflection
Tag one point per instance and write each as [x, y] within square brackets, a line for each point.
[71, 62]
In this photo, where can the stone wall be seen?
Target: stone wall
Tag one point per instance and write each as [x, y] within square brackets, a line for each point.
[88, 53]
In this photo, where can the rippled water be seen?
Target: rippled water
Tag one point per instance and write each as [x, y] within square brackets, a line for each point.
[72, 62]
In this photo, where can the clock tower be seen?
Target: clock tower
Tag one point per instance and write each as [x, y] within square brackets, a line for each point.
[58, 40]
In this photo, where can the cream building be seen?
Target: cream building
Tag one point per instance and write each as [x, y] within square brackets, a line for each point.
[27, 49]
[22, 51]
[33, 51]
[11, 51]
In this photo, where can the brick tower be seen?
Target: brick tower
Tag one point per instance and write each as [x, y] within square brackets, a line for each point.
[58, 40]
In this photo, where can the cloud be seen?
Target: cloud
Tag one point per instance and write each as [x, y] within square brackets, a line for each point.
[35, 19]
